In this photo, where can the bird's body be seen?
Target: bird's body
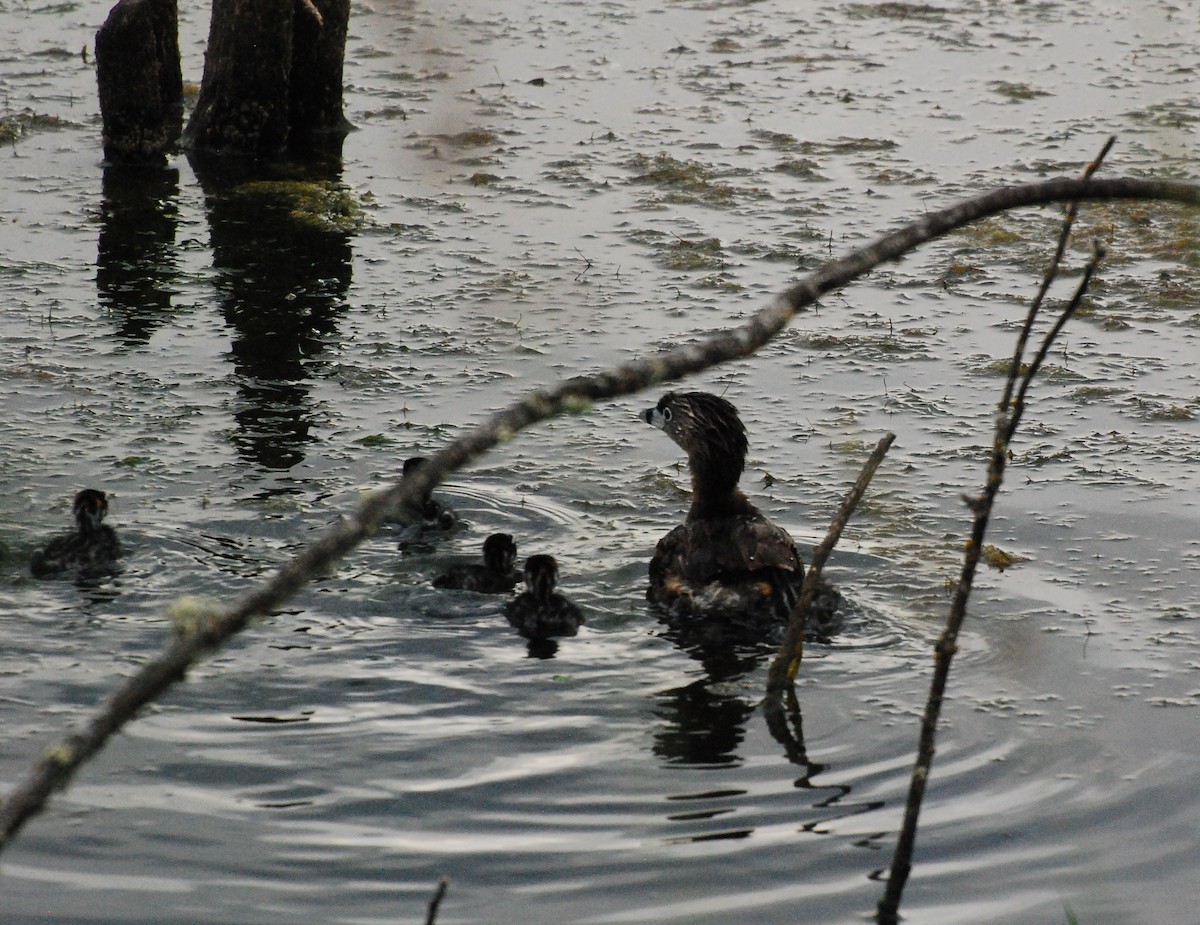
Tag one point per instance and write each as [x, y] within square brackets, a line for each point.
[727, 557]
[425, 519]
[495, 575]
[541, 612]
[91, 551]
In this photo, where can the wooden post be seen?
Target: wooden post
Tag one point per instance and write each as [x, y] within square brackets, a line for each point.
[272, 76]
[139, 80]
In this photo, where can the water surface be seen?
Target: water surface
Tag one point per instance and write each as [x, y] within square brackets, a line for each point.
[235, 376]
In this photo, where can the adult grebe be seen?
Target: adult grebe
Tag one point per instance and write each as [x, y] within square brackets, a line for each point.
[727, 557]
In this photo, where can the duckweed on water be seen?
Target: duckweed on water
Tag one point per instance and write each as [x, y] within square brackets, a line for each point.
[867, 346]
[1090, 393]
[719, 281]
[1016, 92]
[896, 11]
[843, 146]
[473, 138]
[1049, 371]
[1149, 409]
[686, 181]
[16, 125]
[802, 168]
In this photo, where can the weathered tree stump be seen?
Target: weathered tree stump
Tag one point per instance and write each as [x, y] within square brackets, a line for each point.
[272, 76]
[318, 52]
[139, 80]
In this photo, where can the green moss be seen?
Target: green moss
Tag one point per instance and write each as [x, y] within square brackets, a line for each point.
[686, 181]
[319, 204]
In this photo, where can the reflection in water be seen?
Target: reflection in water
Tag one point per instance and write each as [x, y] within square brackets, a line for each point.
[705, 724]
[135, 255]
[283, 272]
[786, 724]
[542, 648]
[705, 721]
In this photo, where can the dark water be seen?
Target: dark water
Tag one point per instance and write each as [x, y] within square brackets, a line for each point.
[236, 363]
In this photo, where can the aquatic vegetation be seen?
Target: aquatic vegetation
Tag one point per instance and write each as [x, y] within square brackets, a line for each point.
[318, 204]
[472, 138]
[891, 10]
[1000, 559]
[1016, 92]
[689, 181]
[15, 125]
[803, 168]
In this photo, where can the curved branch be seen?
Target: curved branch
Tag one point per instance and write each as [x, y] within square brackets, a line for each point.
[206, 629]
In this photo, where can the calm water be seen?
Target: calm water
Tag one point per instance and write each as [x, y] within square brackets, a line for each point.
[235, 378]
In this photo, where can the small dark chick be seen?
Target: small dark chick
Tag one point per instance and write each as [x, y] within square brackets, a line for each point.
[495, 575]
[727, 557]
[425, 519]
[540, 612]
[89, 552]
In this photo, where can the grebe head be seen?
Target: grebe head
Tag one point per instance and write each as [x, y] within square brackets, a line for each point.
[90, 507]
[707, 428]
[499, 552]
[541, 575]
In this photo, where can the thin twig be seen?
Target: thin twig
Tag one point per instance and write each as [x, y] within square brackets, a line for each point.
[791, 651]
[1007, 421]
[1050, 275]
[212, 627]
[436, 901]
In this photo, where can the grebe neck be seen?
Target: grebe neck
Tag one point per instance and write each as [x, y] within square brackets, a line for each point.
[715, 491]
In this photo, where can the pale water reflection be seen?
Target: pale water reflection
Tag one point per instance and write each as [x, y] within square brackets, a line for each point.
[235, 377]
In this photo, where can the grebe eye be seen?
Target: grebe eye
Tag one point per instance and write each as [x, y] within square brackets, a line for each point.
[666, 414]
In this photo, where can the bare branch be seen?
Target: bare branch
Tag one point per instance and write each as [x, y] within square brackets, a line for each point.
[791, 651]
[209, 628]
[436, 901]
[887, 912]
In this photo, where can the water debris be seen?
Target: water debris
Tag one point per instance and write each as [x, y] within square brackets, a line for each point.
[803, 168]
[16, 125]
[472, 138]
[1016, 92]
[896, 11]
[689, 181]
